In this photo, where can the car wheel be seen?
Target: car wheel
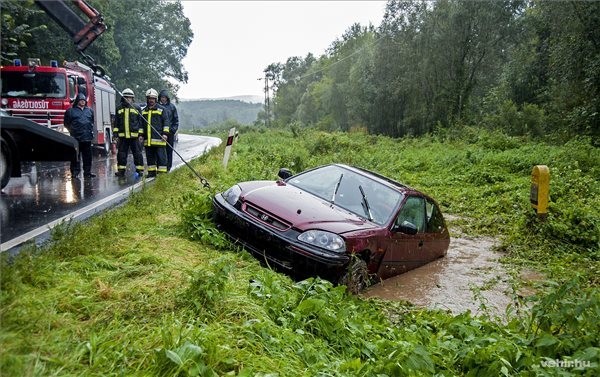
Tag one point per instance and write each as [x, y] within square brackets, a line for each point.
[5, 163]
[356, 277]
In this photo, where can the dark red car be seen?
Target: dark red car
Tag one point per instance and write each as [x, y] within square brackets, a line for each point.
[342, 223]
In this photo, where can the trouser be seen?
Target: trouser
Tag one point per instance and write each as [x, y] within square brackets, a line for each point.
[156, 158]
[171, 141]
[85, 152]
[125, 145]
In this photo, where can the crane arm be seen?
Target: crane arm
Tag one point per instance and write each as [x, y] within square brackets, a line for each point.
[83, 33]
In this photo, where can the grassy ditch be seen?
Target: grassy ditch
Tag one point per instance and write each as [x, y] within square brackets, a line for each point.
[151, 288]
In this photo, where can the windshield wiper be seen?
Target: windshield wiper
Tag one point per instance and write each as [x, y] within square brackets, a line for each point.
[337, 186]
[365, 204]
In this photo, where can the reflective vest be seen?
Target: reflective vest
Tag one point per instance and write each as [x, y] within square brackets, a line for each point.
[155, 123]
[128, 122]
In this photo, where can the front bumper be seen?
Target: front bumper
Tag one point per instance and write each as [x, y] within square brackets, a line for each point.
[280, 247]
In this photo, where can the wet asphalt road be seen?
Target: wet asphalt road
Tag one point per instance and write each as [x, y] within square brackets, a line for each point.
[46, 195]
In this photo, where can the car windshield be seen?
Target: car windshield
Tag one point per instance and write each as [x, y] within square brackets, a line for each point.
[357, 193]
[34, 84]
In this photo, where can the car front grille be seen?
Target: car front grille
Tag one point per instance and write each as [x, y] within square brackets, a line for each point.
[266, 217]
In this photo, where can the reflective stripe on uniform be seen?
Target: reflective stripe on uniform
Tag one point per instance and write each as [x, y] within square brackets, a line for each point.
[150, 136]
[158, 142]
[127, 131]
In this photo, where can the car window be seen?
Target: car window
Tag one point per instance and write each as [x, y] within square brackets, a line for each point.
[413, 211]
[435, 220]
[343, 188]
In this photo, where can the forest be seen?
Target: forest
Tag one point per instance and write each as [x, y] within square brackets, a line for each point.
[528, 68]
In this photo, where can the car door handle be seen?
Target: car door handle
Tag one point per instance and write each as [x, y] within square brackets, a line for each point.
[420, 243]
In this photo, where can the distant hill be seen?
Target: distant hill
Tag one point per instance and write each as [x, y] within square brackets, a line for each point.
[246, 98]
[203, 113]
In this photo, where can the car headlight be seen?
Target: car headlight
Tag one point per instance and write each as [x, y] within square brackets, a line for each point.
[232, 194]
[325, 240]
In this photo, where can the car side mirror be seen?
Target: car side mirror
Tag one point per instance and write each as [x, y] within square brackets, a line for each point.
[284, 173]
[406, 227]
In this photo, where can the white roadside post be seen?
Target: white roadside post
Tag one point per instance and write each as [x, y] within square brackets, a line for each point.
[228, 146]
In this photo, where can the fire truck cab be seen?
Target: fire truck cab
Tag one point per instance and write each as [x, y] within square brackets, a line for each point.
[42, 93]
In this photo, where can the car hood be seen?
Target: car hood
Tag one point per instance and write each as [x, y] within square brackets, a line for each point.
[302, 209]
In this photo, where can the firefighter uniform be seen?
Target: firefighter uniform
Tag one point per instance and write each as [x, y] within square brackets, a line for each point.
[156, 130]
[128, 122]
[165, 101]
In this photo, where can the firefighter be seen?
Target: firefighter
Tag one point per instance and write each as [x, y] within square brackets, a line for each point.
[79, 120]
[128, 122]
[165, 101]
[156, 132]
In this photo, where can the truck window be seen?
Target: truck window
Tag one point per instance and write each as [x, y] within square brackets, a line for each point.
[34, 84]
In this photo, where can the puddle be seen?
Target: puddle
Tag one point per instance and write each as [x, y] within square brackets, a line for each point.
[468, 277]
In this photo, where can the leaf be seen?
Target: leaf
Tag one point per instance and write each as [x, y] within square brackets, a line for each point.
[546, 340]
[310, 305]
[174, 357]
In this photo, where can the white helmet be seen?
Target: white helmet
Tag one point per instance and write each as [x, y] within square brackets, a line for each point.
[151, 93]
[128, 93]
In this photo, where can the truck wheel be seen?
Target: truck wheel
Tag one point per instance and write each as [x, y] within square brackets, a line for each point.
[356, 277]
[5, 163]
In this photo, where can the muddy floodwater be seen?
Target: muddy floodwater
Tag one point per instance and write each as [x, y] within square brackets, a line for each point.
[468, 278]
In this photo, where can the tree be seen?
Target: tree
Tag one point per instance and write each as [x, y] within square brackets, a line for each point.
[151, 45]
[574, 63]
[15, 32]
[290, 82]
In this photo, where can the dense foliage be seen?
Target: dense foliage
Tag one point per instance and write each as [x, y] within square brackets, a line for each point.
[524, 67]
[164, 293]
[142, 48]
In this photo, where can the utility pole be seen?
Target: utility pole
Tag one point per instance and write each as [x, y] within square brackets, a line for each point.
[268, 76]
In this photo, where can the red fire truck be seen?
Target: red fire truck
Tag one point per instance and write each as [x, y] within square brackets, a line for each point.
[42, 93]
[34, 97]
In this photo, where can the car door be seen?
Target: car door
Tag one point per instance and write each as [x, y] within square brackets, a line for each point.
[404, 245]
[437, 237]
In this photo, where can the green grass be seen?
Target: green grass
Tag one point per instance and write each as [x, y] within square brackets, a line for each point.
[151, 288]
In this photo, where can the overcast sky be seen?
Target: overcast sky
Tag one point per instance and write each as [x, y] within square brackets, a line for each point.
[234, 41]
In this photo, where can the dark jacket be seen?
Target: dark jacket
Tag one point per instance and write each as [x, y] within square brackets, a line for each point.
[172, 110]
[128, 120]
[80, 122]
[155, 124]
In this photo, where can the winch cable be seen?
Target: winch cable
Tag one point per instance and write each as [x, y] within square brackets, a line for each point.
[101, 72]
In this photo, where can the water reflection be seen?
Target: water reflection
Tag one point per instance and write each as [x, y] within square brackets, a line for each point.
[46, 191]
